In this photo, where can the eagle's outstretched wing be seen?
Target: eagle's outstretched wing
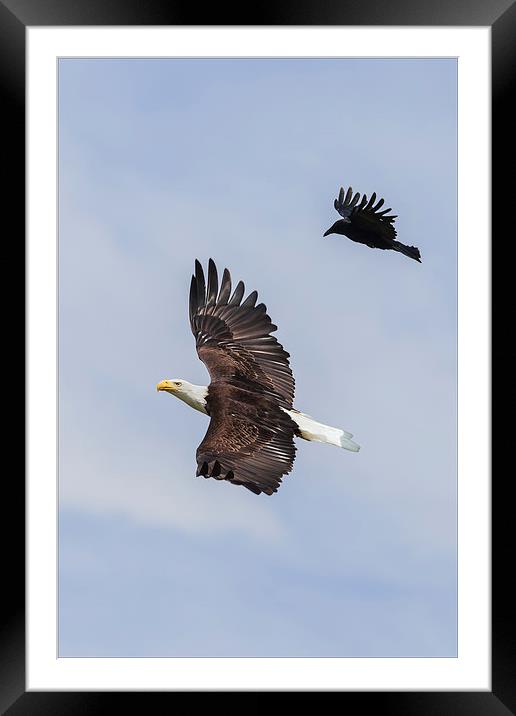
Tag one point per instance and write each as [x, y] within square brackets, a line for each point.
[250, 438]
[233, 337]
[364, 214]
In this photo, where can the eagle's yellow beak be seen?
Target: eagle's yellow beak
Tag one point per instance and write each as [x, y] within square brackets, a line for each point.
[166, 385]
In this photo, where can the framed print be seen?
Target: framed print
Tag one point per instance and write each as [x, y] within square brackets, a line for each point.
[149, 146]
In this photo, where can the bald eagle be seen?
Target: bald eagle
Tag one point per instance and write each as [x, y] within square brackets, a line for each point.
[250, 438]
[362, 222]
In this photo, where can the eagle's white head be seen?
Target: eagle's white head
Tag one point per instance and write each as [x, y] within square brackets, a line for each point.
[193, 395]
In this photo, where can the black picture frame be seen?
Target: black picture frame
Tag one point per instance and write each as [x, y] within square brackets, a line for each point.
[500, 15]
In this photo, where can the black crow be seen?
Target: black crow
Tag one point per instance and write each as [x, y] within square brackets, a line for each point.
[362, 222]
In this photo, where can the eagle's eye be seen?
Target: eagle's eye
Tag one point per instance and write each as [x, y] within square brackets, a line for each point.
[178, 384]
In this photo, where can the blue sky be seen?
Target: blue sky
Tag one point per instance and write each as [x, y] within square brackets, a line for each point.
[165, 161]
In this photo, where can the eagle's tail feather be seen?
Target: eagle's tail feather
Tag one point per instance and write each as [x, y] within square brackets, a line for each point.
[310, 429]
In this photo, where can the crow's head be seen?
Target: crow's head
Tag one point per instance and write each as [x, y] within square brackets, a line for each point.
[337, 227]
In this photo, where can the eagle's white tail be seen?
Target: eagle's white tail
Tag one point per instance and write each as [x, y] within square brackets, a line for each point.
[310, 429]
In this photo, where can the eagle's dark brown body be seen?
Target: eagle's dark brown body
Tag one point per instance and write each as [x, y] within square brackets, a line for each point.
[363, 223]
[249, 439]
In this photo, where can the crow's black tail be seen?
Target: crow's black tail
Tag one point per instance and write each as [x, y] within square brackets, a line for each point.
[410, 251]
